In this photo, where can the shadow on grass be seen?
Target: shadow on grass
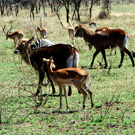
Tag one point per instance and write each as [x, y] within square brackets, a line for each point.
[65, 112]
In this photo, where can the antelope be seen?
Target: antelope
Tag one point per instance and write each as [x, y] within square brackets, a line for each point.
[43, 32]
[71, 31]
[103, 29]
[78, 26]
[24, 39]
[69, 76]
[100, 29]
[93, 23]
[15, 35]
[104, 40]
[64, 55]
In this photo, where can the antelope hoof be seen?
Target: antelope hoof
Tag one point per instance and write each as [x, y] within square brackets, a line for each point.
[36, 94]
[53, 92]
[91, 67]
[133, 65]
[67, 110]
[92, 105]
[83, 106]
[69, 93]
[105, 66]
[119, 65]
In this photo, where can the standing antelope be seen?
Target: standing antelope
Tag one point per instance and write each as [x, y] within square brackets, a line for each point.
[64, 56]
[100, 29]
[105, 40]
[71, 31]
[43, 32]
[16, 35]
[69, 76]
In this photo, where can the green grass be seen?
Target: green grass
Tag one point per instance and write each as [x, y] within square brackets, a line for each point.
[113, 91]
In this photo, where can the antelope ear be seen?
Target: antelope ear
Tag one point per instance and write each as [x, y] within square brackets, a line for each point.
[51, 59]
[29, 41]
[44, 59]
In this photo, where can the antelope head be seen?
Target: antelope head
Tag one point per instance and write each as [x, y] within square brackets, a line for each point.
[8, 32]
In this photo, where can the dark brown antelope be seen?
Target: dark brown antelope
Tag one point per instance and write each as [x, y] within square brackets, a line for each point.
[43, 32]
[64, 55]
[69, 76]
[16, 35]
[100, 29]
[105, 40]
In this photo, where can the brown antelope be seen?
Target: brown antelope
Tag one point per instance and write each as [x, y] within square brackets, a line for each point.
[103, 29]
[43, 32]
[71, 32]
[93, 23]
[16, 35]
[24, 39]
[100, 29]
[78, 26]
[64, 55]
[69, 76]
[105, 40]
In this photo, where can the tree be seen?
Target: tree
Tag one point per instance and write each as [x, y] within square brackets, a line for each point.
[66, 4]
[93, 2]
[77, 4]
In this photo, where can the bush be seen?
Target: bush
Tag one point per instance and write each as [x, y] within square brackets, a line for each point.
[103, 15]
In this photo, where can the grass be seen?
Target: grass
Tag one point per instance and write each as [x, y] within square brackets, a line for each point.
[113, 91]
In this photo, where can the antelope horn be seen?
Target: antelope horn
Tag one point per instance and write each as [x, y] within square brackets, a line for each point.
[10, 29]
[4, 29]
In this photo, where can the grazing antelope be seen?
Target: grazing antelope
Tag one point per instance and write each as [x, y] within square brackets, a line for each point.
[16, 35]
[103, 29]
[105, 40]
[43, 32]
[93, 23]
[64, 55]
[100, 28]
[71, 31]
[69, 76]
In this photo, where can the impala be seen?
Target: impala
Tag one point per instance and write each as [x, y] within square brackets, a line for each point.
[71, 32]
[105, 40]
[93, 23]
[16, 35]
[64, 55]
[43, 32]
[69, 76]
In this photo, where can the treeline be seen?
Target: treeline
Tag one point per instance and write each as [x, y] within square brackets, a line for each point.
[11, 7]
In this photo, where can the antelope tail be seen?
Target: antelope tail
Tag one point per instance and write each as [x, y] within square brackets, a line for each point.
[89, 83]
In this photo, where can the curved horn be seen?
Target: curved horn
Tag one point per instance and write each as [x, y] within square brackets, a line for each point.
[10, 29]
[4, 29]
[29, 41]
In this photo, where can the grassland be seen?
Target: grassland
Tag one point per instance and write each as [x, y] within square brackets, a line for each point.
[113, 90]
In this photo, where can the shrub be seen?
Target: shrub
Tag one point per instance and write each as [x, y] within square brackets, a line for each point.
[103, 15]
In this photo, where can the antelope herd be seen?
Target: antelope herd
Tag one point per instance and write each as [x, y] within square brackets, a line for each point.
[60, 61]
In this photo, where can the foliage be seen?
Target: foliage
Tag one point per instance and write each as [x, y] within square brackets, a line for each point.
[103, 15]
